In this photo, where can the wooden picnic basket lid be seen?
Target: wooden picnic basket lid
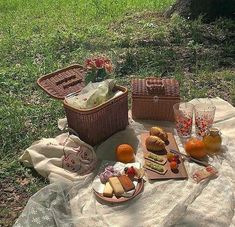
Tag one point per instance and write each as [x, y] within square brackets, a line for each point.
[155, 86]
[64, 81]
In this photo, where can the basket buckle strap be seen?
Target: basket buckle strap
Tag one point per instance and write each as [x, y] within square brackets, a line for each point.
[155, 86]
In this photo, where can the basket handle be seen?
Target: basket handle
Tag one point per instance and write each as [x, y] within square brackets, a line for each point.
[155, 86]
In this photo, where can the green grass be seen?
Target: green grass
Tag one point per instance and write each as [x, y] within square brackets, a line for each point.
[38, 37]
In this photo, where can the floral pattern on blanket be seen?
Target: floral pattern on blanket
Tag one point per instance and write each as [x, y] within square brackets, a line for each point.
[46, 208]
[80, 160]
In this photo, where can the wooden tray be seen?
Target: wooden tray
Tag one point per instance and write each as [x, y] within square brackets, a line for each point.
[180, 174]
[114, 199]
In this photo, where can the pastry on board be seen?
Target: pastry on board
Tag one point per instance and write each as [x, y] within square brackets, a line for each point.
[155, 167]
[160, 159]
[159, 132]
[154, 143]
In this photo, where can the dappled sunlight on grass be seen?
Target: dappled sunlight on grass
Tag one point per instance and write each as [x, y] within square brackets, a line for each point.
[38, 37]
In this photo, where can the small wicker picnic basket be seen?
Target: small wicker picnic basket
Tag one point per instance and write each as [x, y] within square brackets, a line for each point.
[153, 98]
[92, 125]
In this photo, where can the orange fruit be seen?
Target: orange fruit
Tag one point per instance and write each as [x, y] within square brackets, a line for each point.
[125, 153]
[173, 165]
[195, 148]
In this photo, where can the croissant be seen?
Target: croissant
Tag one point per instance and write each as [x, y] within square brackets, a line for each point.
[159, 132]
[154, 143]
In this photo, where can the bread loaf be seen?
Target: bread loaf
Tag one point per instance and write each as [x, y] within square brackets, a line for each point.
[154, 143]
[159, 132]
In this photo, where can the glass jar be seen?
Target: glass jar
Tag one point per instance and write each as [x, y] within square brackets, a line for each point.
[212, 140]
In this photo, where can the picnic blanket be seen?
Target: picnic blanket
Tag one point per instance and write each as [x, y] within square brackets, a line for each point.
[69, 199]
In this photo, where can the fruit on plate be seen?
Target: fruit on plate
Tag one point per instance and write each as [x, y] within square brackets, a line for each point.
[159, 132]
[107, 173]
[195, 148]
[125, 153]
[154, 143]
[133, 172]
[130, 172]
[174, 165]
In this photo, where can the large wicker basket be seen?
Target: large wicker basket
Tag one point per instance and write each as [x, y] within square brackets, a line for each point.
[93, 125]
[153, 98]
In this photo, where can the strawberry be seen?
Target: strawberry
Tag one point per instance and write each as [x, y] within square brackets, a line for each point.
[131, 172]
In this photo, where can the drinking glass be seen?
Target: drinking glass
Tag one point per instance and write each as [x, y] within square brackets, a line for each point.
[184, 118]
[204, 117]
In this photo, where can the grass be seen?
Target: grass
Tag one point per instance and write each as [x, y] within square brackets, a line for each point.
[39, 37]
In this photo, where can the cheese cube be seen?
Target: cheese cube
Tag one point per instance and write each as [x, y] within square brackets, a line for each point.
[116, 185]
[108, 190]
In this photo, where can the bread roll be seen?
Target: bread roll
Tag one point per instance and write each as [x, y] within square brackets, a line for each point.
[154, 143]
[159, 132]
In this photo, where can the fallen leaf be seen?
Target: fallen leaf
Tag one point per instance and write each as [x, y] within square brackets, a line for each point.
[17, 208]
[16, 197]
[9, 189]
[23, 182]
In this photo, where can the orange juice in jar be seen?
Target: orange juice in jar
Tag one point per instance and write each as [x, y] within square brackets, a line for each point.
[212, 140]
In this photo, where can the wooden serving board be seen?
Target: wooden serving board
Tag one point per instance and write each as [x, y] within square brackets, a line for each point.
[152, 175]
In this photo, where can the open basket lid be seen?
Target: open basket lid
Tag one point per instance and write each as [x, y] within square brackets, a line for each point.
[64, 81]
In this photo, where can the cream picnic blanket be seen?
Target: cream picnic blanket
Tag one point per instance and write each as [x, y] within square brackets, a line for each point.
[162, 203]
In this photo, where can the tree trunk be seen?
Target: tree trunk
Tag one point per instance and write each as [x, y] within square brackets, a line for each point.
[209, 9]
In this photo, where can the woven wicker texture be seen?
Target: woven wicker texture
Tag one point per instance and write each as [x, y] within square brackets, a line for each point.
[63, 82]
[95, 125]
[153, 98]
[155, 86]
